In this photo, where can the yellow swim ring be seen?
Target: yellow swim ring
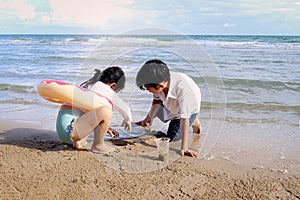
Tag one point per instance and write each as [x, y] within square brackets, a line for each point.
[60, 92]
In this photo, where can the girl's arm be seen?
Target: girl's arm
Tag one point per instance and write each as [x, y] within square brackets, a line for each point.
[123, 109]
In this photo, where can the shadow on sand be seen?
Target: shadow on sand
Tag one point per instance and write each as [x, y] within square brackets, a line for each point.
[31, 138]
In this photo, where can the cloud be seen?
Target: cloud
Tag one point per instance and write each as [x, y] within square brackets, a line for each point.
[267, 7]
[148, 21]
[227, 25]
[45, 19]
[18, 8]
[113, 16]
[89, 12]
[213, 14]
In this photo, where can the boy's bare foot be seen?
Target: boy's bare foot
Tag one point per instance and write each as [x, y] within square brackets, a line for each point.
[104, 148]
[80, 144]
[196, 140]
[197, 129]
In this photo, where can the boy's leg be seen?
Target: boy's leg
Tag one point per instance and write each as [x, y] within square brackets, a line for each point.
[174, 126]
[197, 129]
[173, 129]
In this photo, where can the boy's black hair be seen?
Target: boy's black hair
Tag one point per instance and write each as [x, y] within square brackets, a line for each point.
[152, 72]
[112, 74]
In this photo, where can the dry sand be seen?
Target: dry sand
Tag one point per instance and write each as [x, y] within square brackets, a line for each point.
[35, 165]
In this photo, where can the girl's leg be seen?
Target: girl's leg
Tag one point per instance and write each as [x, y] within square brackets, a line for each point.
[80, 144]
[99, 146]
[86, 123]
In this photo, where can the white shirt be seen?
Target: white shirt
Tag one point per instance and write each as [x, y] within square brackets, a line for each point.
[118, 104]
[183, 98]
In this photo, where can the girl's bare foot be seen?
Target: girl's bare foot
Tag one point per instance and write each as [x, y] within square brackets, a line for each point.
[104, 148]
[80, 144]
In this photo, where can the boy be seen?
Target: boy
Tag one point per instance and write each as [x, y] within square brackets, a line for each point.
[176, 97]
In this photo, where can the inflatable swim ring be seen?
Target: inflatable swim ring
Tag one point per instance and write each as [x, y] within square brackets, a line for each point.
[60, 92]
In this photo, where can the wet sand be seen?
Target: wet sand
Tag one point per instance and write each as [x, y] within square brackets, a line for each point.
[35, 165]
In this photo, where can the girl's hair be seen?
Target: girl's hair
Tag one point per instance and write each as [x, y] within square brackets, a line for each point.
[152, 72]
[112, 74]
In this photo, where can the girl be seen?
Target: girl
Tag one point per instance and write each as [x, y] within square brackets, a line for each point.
[75, 124]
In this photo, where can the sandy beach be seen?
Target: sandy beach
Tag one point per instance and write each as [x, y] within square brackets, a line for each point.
[35, 165]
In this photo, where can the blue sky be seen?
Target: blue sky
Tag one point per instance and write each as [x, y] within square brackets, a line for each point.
[260, 17]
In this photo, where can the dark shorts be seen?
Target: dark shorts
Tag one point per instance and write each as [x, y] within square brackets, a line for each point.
[174, 125]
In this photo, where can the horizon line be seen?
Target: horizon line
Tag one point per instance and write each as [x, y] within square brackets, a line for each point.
[114, 34]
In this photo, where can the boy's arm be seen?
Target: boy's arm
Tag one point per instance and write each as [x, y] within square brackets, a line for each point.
[151, 114]
[154, 108]
[184, 125]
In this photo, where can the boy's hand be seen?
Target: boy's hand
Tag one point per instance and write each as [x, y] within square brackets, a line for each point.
[189, 153]
[144, 123]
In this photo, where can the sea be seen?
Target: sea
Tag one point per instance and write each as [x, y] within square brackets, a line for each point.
[250, 86]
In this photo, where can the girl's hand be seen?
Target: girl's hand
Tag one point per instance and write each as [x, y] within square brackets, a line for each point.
[127, 125]
[189, 153]
[113, 133]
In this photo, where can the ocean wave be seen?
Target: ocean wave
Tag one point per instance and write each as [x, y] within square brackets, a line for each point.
[250, 45]
[258, 120]
[251, 120]
[26, 102]
[251, 106]
[18, 88]
[265, 84]
[205, 104]
[51, 39]
[64, 58]
[246, 83]
[234, 42]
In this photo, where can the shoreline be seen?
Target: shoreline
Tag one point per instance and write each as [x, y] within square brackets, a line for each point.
[40, 166]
